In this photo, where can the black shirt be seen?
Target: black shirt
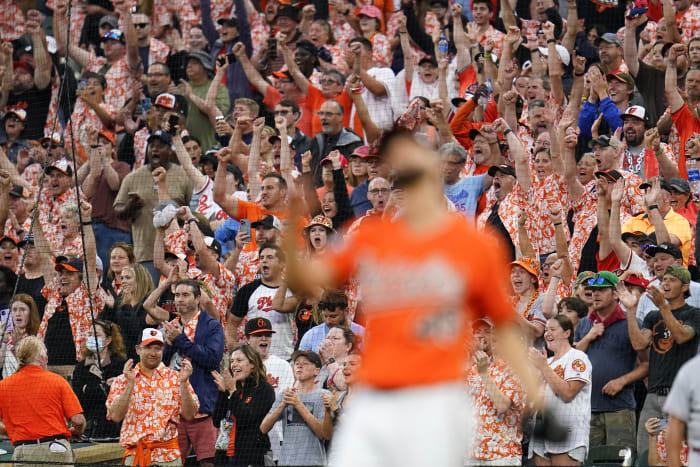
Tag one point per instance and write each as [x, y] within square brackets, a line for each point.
[59, 337]
[32, 287]
[131, 322]
[666, 355]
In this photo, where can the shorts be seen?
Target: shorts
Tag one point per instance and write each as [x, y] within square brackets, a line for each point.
[578, 453]
[198, 434]
[414, 426]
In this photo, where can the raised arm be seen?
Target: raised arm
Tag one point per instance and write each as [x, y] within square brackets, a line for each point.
[213, 92]
[464, 58]
[622, 251]
[254, 159]
[571, 21]
[90, 245]
[42, 72]
[517, 152]
[671, 25]
[150, 305]
[300, 80]
[629, 48]
[562, 251]
[44, 252]
[604, 248]
[408, 58]
[526, 248]
[286, 162]
[674, 98]
[133, 59]
[226, 201]
[60, 28]
[196, 176]
[253, 75]
[372, 132]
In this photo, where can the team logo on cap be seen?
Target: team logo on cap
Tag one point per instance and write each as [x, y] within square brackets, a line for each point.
[578, 365]
[154, 333]
[261, 323]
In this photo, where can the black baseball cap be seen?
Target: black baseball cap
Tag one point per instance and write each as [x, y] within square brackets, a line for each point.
[18, 191]
[267, 221]
[258, 326]
[602, 141]
[503, 168]
[665, 247]
[664, 185]
[612, 175]
[311, 356]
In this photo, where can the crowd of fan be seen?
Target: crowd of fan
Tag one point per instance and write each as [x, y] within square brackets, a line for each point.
[148, 143]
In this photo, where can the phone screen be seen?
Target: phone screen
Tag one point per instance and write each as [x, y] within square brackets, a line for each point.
[245, 227]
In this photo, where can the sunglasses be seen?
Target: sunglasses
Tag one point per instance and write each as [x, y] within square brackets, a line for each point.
[47, 145]
[113, 35]
[596, 281]
[140, 25]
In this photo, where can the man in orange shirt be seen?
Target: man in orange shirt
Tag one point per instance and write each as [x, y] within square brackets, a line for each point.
[150, 398]
[34, 407]
[423, 278]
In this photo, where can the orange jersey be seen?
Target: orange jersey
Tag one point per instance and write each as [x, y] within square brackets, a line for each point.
[419, 294]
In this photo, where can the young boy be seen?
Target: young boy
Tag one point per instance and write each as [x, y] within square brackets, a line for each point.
[306, 422]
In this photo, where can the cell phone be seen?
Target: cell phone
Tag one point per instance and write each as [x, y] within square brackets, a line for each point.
[173, 121]
[219, 117]
[663, 423]
[231, 58]
[145, 104]
[82, 84]
[220, 61]
[245, 228]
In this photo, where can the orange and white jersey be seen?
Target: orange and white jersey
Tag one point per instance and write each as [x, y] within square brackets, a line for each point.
[419, 294]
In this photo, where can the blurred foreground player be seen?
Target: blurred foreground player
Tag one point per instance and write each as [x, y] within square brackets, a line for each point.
[424, 278]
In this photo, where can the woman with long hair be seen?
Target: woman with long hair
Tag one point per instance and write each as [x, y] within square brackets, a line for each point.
[128, 312]
[245, 398]
[103, 360]
[120, 254]
[567, 394]
[25, 322]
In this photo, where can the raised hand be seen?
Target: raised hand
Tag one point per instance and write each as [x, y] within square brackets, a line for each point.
[218, 380]
[618, 191]
[500, 125]
[579, 64]
[185, 371]
[129, 371]
[238, 49]
[657, 296]
[159, 175]
[481, 360]
[548, 30]
[652, 194]
[652, 140]
[85, 210]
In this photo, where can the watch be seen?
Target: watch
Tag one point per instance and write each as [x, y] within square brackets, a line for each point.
[330, 360]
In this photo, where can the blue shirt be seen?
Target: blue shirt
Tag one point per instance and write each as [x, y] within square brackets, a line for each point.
[226, 235]
[313, 337]
[358, 199]
[465, 193]
[612, 356]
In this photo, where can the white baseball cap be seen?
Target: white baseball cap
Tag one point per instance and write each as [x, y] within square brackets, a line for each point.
[635, 111]
[561, 50]
[151, 335]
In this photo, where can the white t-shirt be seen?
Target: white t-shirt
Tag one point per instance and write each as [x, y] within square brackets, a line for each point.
[254, 300]
[379, 106]
[576, 414]
[645, 304]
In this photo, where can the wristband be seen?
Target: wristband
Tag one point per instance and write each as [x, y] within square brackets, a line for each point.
[403, 32]
[505, 133]
[87, 222]
[192, 219]
[357, 90]
[579, 74]
[94, 146]
[487, 55]
[557, 223]
[551, 41]
[659, 152]
[653, 206]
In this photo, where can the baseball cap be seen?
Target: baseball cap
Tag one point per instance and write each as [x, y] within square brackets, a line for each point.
[114, 34]
[635, 111]
[482, 321]
[258, 326]
[611, 38]
[29, 238]
[360, 151]
[151, 336]
[203, 58]
[612, 174]
[640, 236]
[214, 244]
[622, 77]
[603, 141]
[289, 11]
[109, 136]
[679, 272]
[564, 55]
[18, 191]
[679, 184]
[55, 138]
[311, 356]
[283, 74]
[638, 281]
[603, 279]
[583, 277]
[163, 213]
[665, 247]
[322, 221]
[343, 161]
[21, 114]
[23, 64]
[62, 166]
[370, 11]
[69, 264]
[429, 59]
[503, 168]
[474, 132]
[7, 237]
[529, 264]
[161, 135]
[109, 20]
[171, 102]
[267, 221]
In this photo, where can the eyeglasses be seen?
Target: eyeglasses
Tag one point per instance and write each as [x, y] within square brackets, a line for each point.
[141, 25]
[117, 36]
[377, 191]
[329, 81]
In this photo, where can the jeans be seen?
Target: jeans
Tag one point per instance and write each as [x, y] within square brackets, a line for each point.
[105, 237]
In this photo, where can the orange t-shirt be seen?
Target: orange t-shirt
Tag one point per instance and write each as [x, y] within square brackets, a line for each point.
[420, 292]
[315, 100]
[35, 404]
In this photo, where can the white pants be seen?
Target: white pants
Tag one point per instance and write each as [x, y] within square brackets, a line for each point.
[469, 462]
[427, 425]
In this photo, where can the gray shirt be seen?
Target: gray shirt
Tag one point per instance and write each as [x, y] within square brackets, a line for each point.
[300, 445]
[683, 401]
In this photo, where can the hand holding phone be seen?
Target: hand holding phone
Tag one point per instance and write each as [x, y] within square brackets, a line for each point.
[245, 228]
